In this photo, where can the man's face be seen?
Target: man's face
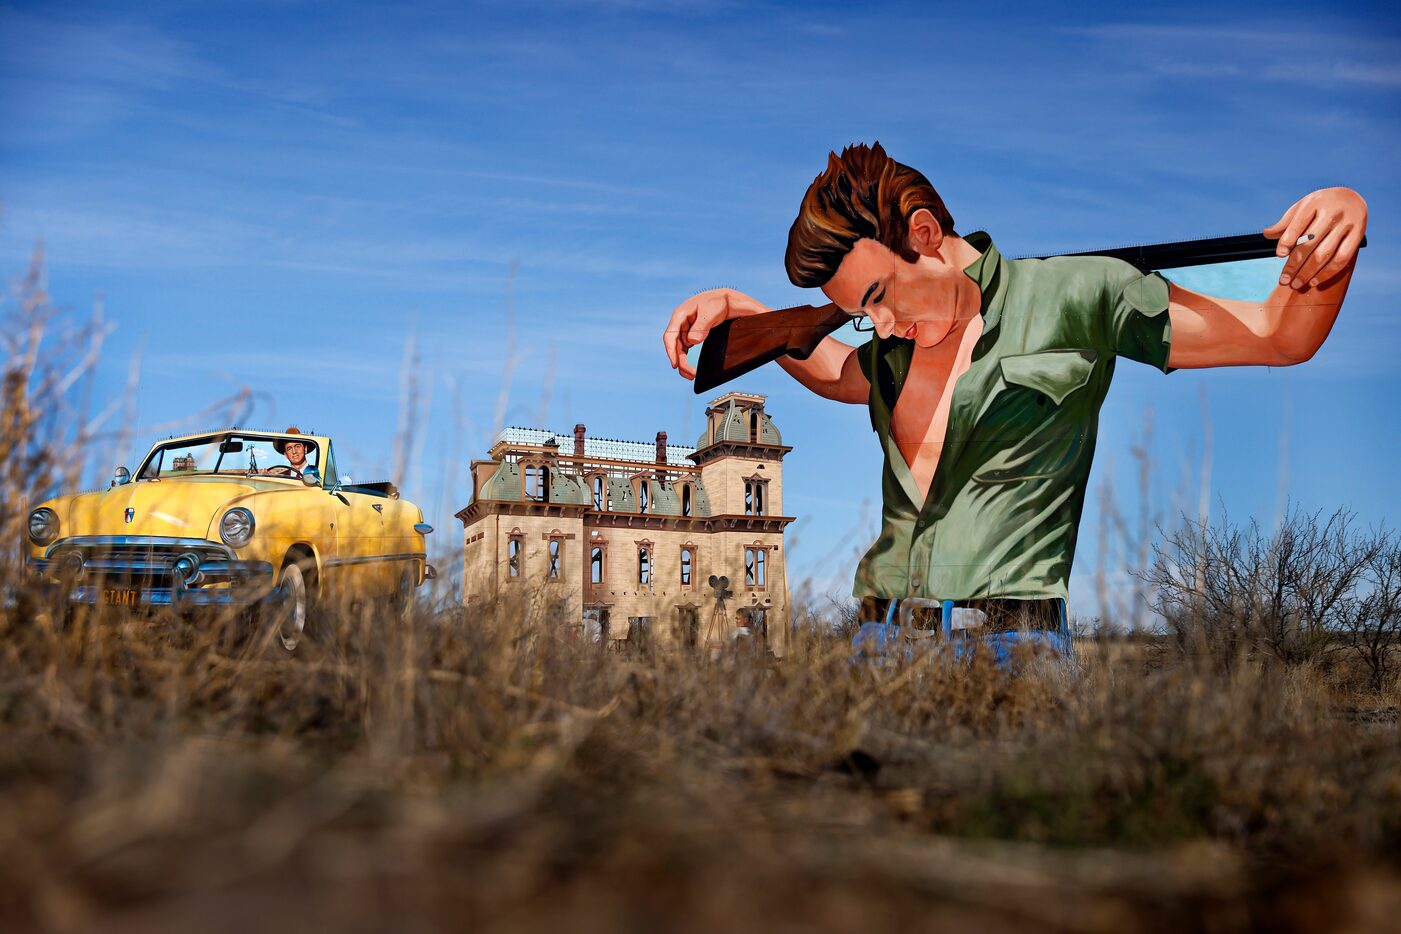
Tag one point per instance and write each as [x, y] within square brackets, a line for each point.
[915, 300]
[296, 453]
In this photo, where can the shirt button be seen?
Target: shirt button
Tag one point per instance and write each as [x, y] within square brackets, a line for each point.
[914, 583]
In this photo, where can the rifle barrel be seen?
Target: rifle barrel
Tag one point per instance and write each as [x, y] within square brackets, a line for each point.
[1151, 257]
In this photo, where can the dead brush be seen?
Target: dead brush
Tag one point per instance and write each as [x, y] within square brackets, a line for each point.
[485, 766]
[458, 742]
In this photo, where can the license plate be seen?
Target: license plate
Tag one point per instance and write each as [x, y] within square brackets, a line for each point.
[120, 596]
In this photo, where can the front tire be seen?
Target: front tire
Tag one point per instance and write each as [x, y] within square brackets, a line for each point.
[288, 619]
[401, 601]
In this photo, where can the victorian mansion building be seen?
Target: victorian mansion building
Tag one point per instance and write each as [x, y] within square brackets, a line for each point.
[622, 537]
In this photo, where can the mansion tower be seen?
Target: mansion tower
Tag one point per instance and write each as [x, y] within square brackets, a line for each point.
[622, 537]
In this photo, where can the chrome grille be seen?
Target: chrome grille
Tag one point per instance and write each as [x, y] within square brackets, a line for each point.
[141, 561]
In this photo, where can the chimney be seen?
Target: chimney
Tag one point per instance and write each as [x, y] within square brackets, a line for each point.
[661, 455]
[578, 440]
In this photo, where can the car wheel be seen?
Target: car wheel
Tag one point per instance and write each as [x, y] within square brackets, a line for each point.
[401, 601]
[289, 618]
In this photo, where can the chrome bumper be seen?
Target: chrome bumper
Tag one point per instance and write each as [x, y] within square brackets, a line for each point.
[141, 571]
[93, 595]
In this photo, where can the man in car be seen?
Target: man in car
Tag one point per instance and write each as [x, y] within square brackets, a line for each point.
[984, 377]
[294, 451]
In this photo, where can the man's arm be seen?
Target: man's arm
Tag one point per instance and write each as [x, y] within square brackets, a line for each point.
[832, 371]
[1321, 234]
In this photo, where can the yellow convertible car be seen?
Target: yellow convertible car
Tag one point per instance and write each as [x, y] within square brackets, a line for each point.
[232, 518]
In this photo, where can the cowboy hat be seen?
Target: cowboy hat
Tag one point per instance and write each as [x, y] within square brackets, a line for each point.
[281, 443]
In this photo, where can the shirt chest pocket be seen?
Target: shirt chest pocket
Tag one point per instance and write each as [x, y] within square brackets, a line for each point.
[1033, 425]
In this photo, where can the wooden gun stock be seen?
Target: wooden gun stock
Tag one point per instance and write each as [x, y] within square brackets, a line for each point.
[734, 347]
[739, 345]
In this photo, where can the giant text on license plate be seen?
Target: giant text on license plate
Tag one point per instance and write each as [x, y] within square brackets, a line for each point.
[112, 596]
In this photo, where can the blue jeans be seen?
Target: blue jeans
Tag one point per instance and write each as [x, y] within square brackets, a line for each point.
[884, 642]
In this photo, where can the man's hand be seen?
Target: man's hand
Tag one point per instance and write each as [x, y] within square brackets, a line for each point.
[693, 319]
[1321, 235]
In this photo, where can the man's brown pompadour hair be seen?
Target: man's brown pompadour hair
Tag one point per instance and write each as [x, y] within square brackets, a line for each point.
[862, 193]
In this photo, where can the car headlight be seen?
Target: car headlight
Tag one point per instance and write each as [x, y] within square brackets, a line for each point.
[236, 528]
[43, 526]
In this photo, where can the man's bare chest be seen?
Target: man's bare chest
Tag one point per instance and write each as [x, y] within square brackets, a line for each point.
[920, 420]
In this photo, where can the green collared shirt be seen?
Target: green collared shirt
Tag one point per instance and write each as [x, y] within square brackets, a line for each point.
[1003, 511]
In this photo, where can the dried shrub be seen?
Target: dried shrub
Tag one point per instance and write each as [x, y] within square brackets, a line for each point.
[1303, 594]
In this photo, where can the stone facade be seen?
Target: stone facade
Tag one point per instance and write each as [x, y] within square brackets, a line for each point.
[621, 538]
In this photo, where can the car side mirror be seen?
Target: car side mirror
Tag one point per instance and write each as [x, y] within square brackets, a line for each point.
[311, 476]
[120, 477]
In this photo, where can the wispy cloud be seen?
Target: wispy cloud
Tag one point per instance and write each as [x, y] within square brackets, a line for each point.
[117, 52]
[1384, 75]
[1357, 56]
[1239, 36]
[706, 7]
[1380, 75]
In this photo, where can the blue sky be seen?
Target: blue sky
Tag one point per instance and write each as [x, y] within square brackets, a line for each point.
[277, 195]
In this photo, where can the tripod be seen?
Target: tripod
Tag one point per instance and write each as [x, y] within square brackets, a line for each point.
[715, 627]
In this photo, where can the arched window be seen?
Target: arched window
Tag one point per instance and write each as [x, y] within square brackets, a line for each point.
[644, 564]
[688, 621]
[643, 495]
[600, 494]
[754, 566]
[514, 558]
[537, 483]
[688, 558]
[597, 557]
[556, 559]
[685, 499]
[756, 497]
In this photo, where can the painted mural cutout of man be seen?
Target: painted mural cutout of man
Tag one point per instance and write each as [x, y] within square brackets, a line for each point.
[985, 376]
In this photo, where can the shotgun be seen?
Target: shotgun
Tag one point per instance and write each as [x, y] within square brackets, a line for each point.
[734, 347]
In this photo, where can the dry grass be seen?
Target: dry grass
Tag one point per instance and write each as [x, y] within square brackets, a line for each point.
[449, 770]
[478, 772]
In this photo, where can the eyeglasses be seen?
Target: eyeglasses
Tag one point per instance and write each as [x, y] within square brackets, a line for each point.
[862, 324]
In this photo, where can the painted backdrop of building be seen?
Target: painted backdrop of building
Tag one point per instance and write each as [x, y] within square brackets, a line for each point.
[623, 536]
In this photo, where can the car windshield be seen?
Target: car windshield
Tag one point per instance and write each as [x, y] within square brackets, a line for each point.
[222, 454]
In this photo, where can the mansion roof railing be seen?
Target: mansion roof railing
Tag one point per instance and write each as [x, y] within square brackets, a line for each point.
[643, 452]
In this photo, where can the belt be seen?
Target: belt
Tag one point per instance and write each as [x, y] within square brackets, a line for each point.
[999, 614]
[1010, 615]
